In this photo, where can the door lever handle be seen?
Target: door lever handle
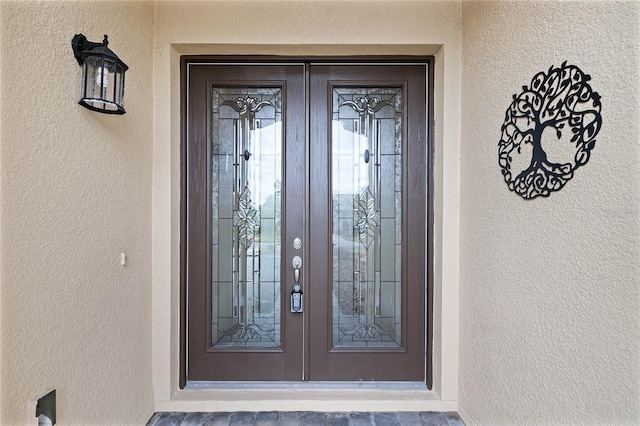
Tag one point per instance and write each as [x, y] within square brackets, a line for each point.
[297, 264]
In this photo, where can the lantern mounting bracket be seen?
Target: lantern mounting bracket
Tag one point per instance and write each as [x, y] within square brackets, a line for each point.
[79, 43]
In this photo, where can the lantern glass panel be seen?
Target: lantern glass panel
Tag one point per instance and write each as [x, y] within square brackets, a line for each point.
[103, 85]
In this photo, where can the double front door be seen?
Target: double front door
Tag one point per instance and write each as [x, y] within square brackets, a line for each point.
[304, 221]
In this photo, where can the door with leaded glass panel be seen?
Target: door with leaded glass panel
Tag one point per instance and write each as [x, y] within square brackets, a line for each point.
[368, 155]
[305, 182]
[245, 186]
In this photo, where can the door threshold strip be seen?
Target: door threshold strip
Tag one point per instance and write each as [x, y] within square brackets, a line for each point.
[355, 385]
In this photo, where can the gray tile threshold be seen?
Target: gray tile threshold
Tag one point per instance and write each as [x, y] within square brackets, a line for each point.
[302, 418]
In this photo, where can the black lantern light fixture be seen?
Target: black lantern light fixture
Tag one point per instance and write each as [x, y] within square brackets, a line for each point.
[102, 76]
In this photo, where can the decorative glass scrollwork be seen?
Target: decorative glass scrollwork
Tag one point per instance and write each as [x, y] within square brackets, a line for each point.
[367, 217]
[247, 106]
[246, 222]
[246, 173]
[367, 105]
[368, 332]
[244, 332]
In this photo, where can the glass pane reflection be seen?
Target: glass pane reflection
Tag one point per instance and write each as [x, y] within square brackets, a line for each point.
[367, 217]
[246, 129]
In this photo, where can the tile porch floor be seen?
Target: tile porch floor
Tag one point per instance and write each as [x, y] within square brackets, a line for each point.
[299, 418]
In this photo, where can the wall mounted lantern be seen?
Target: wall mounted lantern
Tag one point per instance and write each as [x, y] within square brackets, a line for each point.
[102, 76]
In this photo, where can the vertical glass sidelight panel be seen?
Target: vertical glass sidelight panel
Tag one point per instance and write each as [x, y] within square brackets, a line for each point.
[366, 153]
[246, 174]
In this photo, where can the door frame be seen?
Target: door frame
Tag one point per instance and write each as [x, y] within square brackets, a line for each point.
[187, 60]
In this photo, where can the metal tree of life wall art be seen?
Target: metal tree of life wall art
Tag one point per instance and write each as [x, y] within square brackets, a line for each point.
[246, 161]
[549, 131]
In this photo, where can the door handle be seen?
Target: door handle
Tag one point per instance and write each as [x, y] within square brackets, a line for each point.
[296, 292]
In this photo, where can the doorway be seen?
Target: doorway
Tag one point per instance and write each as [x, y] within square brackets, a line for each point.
[305, 221]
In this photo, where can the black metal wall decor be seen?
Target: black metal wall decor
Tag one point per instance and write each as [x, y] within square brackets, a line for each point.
[549, 131]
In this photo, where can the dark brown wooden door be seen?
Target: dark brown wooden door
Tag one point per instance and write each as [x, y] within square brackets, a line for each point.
[367, 216]
[322, 162]
[245, 180]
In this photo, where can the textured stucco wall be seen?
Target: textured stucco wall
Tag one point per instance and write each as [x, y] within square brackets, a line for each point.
[76, 192]
[549, 295]
[549, 288]
[302, 28]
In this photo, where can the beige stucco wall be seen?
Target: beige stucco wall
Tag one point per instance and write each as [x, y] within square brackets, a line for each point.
[303, 28]
[549, 288]
[75, 193]
[544, 293]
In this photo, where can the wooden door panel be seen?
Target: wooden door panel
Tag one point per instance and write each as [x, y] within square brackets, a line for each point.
[244, 184]
[368, 236]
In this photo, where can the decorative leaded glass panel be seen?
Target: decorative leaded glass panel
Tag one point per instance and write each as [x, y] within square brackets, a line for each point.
[246, 169]
[366, 163]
